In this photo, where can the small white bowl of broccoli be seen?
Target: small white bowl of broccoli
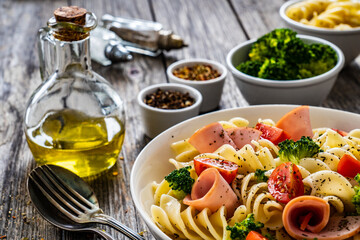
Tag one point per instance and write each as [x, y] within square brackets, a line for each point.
[282, 67]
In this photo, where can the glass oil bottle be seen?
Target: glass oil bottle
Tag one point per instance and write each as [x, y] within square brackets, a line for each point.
[74, 119]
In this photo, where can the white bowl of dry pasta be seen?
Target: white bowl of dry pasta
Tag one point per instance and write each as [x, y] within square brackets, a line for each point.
[337, 21]
[280, 171]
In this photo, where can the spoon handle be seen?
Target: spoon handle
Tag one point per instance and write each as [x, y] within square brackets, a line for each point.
[112, 222]
[105, 235]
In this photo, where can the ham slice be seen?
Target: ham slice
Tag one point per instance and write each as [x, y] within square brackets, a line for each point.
[300, 207]
[319, 226]
[296, 123]
[212, 191]
[210, 137]
[243, 135]
[338, 228]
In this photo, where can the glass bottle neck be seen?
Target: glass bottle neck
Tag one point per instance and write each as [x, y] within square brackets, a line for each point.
[73, 56]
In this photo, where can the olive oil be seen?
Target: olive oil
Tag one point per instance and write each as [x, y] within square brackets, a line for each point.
[85, 145]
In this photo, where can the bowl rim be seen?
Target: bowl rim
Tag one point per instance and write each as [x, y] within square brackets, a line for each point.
[287, 83]
[319, 30]
[170, 86]
[137, 164]
[171, 67]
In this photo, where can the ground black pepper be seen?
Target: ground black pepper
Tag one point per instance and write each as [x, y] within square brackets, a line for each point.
[168, 99]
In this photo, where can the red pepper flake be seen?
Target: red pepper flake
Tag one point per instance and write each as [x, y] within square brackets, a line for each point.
[196, 73]
[168, 99]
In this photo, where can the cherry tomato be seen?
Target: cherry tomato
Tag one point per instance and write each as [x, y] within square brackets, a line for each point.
[253, 235]
[342, 133]
[226, 168]
[273, 134]
[348, 166]
[285, 182]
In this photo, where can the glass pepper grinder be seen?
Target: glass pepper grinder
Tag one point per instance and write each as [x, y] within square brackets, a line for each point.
[74, 119]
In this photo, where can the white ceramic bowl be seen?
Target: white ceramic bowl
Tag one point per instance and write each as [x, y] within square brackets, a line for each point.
[156, 120]
[211, 90]
[346, 40]
[308, 91]
[152, 164]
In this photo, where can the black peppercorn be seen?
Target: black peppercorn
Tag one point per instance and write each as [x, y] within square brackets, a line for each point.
[168, 99]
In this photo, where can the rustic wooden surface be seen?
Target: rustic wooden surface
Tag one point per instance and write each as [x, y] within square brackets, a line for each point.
[211, 27]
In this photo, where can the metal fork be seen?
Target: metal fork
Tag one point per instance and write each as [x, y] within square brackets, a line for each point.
[72, 204]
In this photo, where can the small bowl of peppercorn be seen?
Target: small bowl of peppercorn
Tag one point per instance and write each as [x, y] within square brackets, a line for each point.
[166, 104]
[205, 75]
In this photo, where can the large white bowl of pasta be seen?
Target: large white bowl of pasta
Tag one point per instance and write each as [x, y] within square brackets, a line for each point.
[337, 21]
[169, 216]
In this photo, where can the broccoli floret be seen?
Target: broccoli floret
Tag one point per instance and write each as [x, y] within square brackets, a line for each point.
[356, 198]
[291, 151]
[323, 58]
[250, 67]
[180, 181]
[260, 175]
[280, 44]
[280, 55]
[278, 69]
[272, 45]
[240, 230]
[296, 52]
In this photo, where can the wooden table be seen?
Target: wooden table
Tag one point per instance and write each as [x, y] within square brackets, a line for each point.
[211, 27]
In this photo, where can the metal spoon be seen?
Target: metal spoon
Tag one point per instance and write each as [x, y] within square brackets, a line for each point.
[51, 213]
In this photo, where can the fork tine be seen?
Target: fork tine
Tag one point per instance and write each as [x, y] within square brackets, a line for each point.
[53, 179]
[53, 191]
[52, 200]
[66, 187]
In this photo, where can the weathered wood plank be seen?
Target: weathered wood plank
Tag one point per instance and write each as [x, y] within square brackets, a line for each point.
[345, 93]
[258, 17]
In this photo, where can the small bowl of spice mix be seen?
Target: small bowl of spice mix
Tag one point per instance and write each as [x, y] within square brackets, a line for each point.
[205, 75]
[166, 104]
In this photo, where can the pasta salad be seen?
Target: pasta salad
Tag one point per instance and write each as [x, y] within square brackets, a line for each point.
[280, 180]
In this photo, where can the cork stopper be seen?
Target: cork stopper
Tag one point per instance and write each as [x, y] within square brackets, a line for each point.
[74, 15]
